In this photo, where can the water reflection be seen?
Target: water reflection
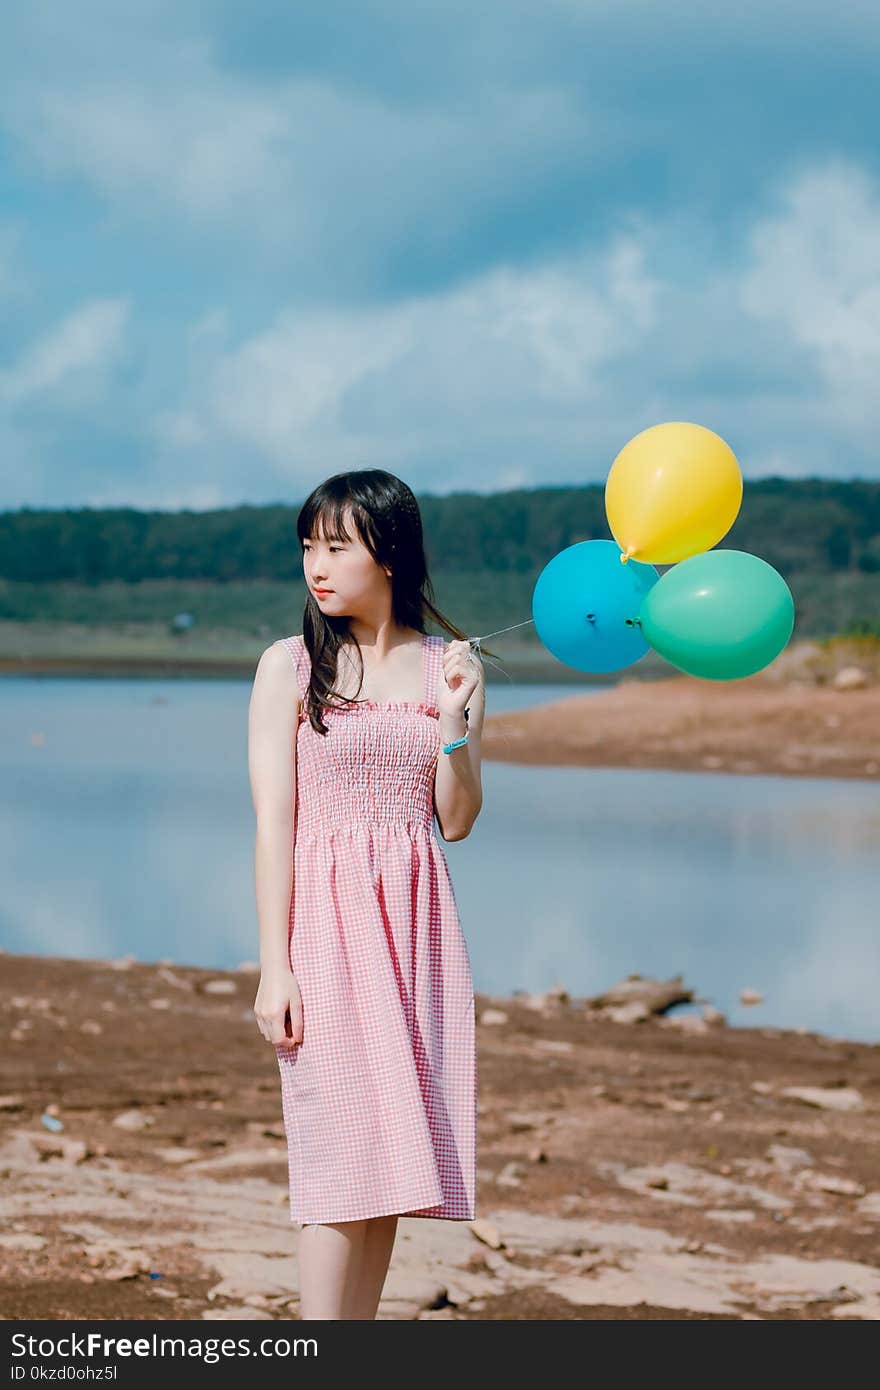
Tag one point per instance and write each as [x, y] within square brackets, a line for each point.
[129, 829]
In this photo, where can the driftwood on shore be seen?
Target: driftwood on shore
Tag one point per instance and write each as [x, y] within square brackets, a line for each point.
[637, 997]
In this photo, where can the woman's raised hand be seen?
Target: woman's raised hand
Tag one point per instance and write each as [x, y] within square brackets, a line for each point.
[461, 675]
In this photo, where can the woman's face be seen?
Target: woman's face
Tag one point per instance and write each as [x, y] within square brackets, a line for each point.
[342, 576]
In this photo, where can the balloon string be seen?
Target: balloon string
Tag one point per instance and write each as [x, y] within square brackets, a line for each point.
[478, 640]
[475, 642]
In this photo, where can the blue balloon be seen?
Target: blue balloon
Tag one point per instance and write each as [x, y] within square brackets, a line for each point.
[585, 606]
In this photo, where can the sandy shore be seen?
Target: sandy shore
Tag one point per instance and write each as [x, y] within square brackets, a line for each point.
[635, 1171]
[747, 726]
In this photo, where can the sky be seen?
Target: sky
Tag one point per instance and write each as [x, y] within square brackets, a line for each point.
[244, 246]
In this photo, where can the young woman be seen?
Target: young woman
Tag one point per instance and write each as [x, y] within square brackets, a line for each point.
[361, 731]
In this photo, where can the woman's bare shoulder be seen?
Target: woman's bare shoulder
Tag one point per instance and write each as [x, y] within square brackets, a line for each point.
[277, 665]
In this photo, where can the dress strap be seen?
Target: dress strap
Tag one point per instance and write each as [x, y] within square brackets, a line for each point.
[297, 649]
[433, 667]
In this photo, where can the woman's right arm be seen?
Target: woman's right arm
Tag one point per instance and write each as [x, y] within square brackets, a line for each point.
[272, 723]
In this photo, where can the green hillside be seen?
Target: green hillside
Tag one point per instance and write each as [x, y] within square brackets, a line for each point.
[98, 584]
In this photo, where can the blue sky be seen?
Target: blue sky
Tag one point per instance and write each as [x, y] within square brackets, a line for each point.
[243, 247]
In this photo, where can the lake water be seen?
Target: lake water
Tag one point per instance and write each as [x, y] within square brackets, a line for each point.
[127, 828]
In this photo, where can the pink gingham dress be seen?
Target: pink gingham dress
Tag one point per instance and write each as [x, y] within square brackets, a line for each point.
[380, 1097]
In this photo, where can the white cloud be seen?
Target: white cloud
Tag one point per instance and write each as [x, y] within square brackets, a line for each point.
[207, 148]
[520, 375]
[325, 174]
[515, 376]
[71, 357]
[494, 363]
[816, 278]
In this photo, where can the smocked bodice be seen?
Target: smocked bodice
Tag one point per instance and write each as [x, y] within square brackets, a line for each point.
[376, 764]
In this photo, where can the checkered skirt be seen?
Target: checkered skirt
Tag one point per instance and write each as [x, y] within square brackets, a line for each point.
[380, 1097]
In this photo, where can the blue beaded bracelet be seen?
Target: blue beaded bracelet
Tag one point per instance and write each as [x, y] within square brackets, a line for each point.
[448, 747]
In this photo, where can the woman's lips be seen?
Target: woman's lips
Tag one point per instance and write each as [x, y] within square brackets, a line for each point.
[322, 593]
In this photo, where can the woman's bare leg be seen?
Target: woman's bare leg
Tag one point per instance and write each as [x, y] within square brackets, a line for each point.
[330, 1255]
[378, 1244]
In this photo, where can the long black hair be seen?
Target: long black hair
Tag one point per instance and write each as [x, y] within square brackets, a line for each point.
[388, 521]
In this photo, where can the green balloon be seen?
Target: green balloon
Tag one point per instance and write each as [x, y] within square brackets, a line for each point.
[721, 615]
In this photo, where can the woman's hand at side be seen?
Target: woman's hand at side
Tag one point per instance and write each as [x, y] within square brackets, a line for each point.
[279, 995]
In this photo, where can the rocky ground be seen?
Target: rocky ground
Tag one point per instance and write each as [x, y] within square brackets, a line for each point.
[671, 1167]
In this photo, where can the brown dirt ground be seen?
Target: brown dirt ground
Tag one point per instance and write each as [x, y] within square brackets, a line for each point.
[623, 1094]
[749, 726]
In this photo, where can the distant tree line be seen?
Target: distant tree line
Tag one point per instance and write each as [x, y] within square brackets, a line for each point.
[804, 524]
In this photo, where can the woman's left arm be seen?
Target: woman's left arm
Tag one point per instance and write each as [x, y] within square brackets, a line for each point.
[458, 790]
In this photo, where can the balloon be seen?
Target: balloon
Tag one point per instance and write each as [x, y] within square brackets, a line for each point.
[720, 615]
[673, 491]
[586, 606]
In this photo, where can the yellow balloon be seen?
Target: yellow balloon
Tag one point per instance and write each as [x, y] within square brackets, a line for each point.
[673, 491]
